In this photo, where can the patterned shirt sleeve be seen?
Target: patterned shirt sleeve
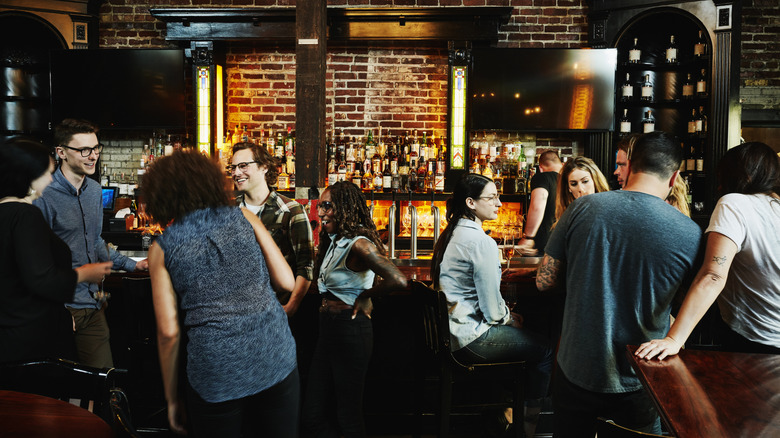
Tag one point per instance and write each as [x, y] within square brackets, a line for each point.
[301, 241]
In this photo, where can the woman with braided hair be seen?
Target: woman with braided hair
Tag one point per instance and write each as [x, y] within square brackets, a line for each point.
[350, 255]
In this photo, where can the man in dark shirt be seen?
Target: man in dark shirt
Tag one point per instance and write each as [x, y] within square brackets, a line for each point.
[541, 209]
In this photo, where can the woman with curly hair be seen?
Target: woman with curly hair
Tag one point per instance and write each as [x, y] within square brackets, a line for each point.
[579, 177]
[213, 273]
[350, 255]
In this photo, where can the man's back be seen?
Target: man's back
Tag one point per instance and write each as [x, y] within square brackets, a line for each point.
[626, 254]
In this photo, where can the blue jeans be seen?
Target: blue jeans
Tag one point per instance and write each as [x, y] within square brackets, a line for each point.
[333, 404]
[270, 413]
[503, 343]
[576, 410]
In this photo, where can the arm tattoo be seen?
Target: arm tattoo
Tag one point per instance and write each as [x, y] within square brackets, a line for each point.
[547, 275]
[719, 260]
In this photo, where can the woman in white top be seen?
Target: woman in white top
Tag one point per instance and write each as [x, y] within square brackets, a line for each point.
[466, 267]
[742, 261]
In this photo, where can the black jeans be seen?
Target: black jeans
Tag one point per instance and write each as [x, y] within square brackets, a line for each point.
[576, 409]
[333, 404]
[270, 413]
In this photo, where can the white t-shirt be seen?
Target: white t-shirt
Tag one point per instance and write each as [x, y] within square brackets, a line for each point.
[750, 301]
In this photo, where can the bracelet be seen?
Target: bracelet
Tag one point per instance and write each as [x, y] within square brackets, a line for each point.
[529, 237]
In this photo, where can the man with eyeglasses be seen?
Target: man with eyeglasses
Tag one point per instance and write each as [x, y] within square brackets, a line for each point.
[72, 205]
[254, 171]
[541, 209]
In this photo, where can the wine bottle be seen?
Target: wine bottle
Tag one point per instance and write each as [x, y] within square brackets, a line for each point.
[647, 89]
[700, 48]
[634, 54]
[648, 123]
[690, 160]
[700, 159]
[625, 128]
[692, 123]
[671, 51]
[627, 93]
[687, 88]
[701, 84]
[701, 123]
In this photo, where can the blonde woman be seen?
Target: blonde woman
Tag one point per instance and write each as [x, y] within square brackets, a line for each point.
[579, 177]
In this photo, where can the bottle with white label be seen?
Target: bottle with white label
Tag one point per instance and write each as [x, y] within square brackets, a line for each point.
[647, 89]
[625, 125]
[634, 54]
[627, 90]
[700, 48]
[701, 84]
[671, 51]
[648, 123]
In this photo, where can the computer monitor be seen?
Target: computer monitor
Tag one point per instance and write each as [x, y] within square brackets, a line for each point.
[109, 199]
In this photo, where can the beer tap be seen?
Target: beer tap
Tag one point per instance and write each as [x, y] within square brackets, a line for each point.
[371, 207]
[412, 228]
[436, 220]
[391, 212]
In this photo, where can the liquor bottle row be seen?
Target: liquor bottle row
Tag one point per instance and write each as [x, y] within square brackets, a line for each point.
[696, 124]
[509, 163]
[405, 163]
[637, 54]
[668, 85]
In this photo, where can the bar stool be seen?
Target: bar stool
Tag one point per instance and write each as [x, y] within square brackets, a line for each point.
[436, 335]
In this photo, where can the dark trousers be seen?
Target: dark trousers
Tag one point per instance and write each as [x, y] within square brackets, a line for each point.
[576, 409]
[733, 341]
[333, 404]
[270, 413]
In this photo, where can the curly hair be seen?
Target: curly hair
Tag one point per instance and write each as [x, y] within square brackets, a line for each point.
[263, 158]
[182, 183]
[471, 186]
[351, 214]
[22, 161]
[564, 196]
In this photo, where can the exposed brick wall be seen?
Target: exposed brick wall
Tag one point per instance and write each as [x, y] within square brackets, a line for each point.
[760, 66]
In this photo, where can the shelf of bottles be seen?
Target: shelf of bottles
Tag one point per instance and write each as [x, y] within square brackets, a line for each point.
[507, 161]
[663, 83]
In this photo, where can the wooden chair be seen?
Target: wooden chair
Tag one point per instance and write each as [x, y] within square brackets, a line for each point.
[436, 335]
[609, 429]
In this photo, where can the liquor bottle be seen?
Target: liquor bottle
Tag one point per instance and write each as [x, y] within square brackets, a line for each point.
[700, 159]
[690, 192]
[422, 170]
[690, 160]
[403, 169]
[687, 88]
[701, 84]
[271, 142]
[430, 177]
[245, 134]
[237, 134]
[387, 176]
[474, 167]
[700, 48]
[357, 174]
[701, 123]
[332, 172]
[378, 187]
[341, 172]
[634, 54]
[625, 128]
[648, 123]
[395, 175]
[279, 150]
[671, 51]
[692, 123]
[412, 179]
[441, 164]
[367, 183]
[627, 90]
[283, 181]
[647, 89]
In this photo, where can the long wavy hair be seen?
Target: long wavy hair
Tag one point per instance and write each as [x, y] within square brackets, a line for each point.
[564, 196]
[351, 216]
[678, 197]
[469, 186]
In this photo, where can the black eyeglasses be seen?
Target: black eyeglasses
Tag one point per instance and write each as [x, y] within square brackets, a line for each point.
[85, 152]
[325, 205]
[240, 166]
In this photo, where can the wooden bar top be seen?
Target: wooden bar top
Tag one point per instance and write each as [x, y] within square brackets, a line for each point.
[29, 415]
[714, 394]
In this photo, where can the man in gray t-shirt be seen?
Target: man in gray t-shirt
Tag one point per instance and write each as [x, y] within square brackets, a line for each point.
[622, 256]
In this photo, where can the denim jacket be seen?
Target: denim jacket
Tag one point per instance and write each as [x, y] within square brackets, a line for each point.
[471, 278]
